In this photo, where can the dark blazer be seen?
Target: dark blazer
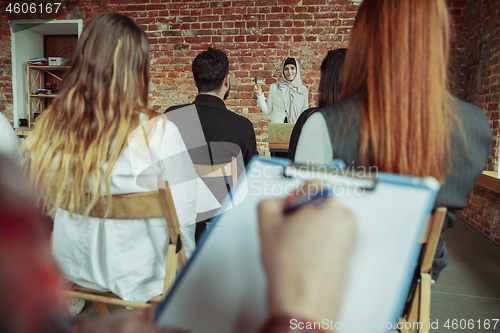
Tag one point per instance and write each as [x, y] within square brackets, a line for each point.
[227, 134]
[223, 126]
[344, 126]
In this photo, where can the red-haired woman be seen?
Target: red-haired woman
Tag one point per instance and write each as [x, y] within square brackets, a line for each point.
[396, 111]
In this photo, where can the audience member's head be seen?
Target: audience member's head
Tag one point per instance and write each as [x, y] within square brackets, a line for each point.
[111, 67]
[210, 69]
[397, 61]
[331, 81]
[88, 124]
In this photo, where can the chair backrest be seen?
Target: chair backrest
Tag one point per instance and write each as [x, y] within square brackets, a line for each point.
[431, 237]
[144, 205]
[229, 169]
[418, 310]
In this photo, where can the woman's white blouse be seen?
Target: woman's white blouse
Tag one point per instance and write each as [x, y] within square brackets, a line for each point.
[275, 104]
[128, 257]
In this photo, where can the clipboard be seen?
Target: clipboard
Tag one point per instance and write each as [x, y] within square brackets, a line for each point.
[223, 287]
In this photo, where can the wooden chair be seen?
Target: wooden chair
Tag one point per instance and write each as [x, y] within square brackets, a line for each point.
[419, 310]
[229, 169]
[219, 170]
[139, 206]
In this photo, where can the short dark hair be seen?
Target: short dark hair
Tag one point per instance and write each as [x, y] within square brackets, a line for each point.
[210, 67]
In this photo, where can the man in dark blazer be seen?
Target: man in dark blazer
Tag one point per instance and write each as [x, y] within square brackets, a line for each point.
[226, 133]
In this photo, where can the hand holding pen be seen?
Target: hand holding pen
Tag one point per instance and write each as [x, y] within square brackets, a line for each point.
[257, 88]
[306, 247]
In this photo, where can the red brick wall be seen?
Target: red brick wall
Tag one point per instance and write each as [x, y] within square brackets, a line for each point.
[483, 212]
[256, 36]
[6, 99]
[481, 86]
[458, 51]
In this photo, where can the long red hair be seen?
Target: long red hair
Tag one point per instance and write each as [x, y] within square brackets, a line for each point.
[397, 59]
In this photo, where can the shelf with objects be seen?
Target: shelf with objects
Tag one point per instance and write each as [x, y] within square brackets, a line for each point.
[40, 89]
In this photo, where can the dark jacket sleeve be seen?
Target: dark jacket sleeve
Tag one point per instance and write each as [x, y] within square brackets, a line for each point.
[251, 144]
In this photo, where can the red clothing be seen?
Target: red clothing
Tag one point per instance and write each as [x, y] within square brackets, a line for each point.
[30, 283]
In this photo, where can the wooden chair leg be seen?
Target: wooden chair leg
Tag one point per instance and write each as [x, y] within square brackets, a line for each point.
[413, 312]
[425, 302]
[101, 308]
[171, 270]
[403, 326]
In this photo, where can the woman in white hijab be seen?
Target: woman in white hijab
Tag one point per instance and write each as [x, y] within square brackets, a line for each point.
[287, 98]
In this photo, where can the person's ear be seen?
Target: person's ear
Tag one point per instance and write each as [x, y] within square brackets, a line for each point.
[226, 81]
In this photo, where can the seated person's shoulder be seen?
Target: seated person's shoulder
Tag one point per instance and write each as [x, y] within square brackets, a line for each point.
[473, 117]
[175, 107]
[239, 120]
[469, 110]
[339, 112]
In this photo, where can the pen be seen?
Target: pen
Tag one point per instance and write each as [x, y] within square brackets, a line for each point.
[255, 80]
[316, 198]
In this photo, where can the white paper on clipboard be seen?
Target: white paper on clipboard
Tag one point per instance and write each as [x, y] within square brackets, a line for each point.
[222, 289]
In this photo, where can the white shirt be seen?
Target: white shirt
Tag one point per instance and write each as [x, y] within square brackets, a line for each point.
[9, 141]
[314, 146]
[128, 257]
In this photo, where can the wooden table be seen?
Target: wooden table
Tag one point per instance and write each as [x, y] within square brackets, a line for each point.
[489, 180]
[279, 138]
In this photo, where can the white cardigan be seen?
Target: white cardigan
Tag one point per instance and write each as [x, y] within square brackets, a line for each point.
[128, 257]
[275, 104]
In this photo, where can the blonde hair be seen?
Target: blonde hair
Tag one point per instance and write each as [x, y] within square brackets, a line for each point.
[397, 60]
[88, 123]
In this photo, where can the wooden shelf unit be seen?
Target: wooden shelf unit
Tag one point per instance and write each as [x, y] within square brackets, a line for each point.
[35, 82]
[23, 131]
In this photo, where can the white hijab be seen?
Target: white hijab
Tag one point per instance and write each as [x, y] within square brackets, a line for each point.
[294, 93]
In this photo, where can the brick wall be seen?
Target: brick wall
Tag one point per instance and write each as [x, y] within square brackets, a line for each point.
[458, 51]
[481, 86]
[483, 212]
[6, 98]
[256, 36]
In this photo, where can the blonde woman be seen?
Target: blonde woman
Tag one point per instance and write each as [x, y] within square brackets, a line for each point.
[79, 153]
